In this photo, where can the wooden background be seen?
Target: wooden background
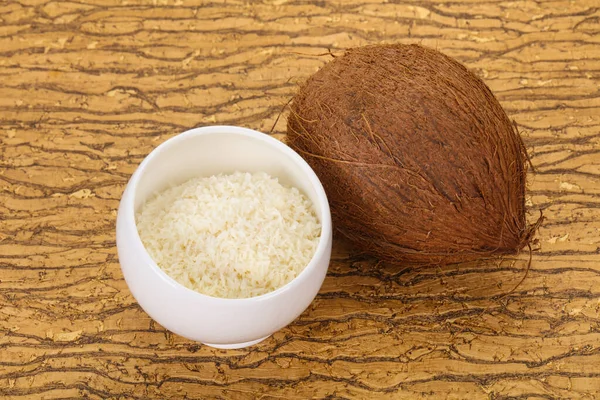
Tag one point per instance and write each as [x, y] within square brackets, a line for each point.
[89, 87]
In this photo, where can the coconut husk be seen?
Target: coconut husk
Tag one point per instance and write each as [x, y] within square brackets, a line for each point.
[419, 160]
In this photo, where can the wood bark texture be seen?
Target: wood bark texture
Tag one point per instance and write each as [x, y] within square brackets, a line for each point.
[90, 87]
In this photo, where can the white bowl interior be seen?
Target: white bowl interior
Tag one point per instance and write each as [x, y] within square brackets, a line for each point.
[189, 156]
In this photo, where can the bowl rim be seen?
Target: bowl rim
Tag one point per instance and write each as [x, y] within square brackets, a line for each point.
[323, 203]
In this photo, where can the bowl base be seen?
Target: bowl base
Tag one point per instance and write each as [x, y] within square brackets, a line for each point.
[236, 345]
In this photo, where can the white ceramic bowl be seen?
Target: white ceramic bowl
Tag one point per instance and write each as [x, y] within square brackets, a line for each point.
[218, 322]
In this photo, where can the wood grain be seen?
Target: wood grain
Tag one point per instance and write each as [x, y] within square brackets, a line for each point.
[89, 87]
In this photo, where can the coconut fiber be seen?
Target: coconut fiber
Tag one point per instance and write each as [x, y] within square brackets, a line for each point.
[420, 162]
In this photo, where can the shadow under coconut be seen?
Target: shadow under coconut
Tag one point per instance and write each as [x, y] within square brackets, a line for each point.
[492, 277]
[358, 286]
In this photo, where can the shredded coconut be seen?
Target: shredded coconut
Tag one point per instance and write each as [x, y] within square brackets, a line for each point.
[234, 236]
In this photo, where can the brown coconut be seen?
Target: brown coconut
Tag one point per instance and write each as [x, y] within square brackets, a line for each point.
[420, 162]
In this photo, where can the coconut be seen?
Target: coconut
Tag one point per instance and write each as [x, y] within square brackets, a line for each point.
[420, 162]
